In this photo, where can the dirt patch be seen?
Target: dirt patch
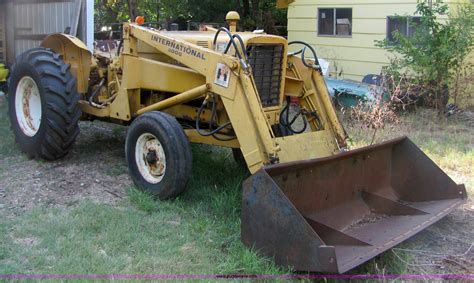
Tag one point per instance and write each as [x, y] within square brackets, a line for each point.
[372, 217]
[446, 247]
[27, 242]
[94, 170]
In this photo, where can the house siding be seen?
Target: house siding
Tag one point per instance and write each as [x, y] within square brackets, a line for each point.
[350, 57]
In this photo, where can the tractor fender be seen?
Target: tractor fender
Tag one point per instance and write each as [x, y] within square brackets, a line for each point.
[74, 53]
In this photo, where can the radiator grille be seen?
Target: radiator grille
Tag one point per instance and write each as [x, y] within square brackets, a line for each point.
[266, 61]
[203, 44]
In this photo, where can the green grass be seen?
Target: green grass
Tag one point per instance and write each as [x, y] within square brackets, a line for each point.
[449, 143]
[197, 233]
[386, 263]
[7, 141]
[103, 239]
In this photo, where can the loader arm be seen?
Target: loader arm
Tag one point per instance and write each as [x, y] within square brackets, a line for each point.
[240, 98]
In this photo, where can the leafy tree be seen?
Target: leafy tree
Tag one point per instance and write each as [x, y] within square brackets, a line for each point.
[109, 11]
[254, 13]
[436, 51]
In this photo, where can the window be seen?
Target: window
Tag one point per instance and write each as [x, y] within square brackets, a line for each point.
[335, 22]
[407, 26]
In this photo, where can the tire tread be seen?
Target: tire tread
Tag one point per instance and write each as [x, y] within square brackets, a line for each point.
[177, 141]
[61, 113]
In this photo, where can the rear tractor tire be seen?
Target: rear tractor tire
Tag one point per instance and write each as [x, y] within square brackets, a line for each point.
[159, 155]
[43, 104]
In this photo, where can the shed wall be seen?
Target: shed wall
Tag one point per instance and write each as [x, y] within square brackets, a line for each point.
[3, 48]
[28, 22]
[34, 21]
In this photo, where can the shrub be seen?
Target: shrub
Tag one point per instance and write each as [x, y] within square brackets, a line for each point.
[435, 57]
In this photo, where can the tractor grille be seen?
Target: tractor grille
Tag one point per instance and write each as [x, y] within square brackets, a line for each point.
[266, 61]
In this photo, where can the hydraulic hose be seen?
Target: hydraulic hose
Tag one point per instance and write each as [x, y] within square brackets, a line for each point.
[211, 132]
[303, 51]
[96, 92]
[119, 48]
[285, 118]
[241, 41]
[242, 59]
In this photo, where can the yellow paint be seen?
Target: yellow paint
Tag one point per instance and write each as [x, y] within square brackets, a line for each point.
[232, 19]
[75, 53]
[3, 73]
[195, 137]
[172, 78]
[306, 146]
[355, 56]
[174, 72]
[181, 98]
[189, 113]
[282, 4]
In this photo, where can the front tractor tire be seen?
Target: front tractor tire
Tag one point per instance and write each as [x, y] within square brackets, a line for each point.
[43, 104]
[158, 155]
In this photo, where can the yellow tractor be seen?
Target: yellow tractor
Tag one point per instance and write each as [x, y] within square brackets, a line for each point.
[310, 203]
[3, 77]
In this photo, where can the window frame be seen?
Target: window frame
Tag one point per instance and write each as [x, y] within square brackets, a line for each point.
[408, 20]
[334, 10]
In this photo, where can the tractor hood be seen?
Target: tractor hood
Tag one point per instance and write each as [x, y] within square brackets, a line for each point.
[206, 38]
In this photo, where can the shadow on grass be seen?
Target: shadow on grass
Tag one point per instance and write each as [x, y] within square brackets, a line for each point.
[199, 232]
[213, 201]
[7, 141]
[215, 191]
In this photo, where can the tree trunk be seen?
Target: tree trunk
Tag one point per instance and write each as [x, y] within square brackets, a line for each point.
[133, 9]
[269, 23]
[246, 8]
[257, 16]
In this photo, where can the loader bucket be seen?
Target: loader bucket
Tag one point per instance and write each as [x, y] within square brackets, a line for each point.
[333, 214]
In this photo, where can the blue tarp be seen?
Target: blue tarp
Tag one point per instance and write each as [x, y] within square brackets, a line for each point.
[348, 93]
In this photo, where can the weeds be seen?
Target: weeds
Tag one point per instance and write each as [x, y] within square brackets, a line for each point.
[200, 231]
[435, 55]
[390, 262]
[375, 114]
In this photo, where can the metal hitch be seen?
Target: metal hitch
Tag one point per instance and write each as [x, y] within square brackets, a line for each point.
[333, 214]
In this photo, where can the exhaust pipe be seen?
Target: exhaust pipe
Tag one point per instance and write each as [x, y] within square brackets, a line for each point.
[333, 214]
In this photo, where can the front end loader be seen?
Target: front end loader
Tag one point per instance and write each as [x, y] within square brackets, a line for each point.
[310, 203]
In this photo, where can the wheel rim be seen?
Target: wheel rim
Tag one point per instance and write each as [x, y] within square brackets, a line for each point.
[28, 106]
[150, 158]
